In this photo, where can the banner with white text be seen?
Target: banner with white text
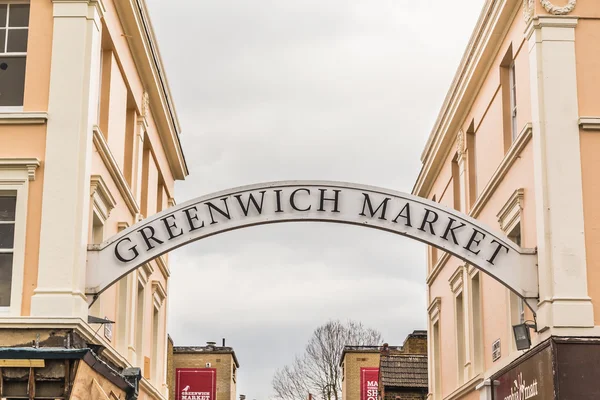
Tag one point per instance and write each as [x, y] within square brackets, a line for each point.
[196, 383]
[369, 383]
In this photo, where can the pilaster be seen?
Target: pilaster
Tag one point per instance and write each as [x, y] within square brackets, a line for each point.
[564, 301]
[72, 112]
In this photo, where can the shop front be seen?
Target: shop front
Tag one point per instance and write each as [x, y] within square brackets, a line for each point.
[557, 369]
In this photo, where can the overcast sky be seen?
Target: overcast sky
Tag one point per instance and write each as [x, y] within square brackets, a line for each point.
[266, 90]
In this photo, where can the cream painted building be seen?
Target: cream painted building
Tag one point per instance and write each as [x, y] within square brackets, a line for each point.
[89, 144]
[516, 146]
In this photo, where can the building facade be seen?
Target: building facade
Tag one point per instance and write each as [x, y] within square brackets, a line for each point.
[89, 144]
[403, 372]
[219, 363]
[362, 368]
[515, 146]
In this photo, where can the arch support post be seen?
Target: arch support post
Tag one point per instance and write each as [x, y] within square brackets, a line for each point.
[564, 300]
[72, 110]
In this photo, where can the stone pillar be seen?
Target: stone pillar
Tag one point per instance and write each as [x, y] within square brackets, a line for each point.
[564, 301]
[72, 112]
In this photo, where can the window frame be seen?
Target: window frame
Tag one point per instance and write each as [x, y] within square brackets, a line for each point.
[15, 175]
[8, 3]
[512, 85]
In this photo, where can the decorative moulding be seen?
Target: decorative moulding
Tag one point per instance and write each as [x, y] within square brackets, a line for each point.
[102, 199]
[23, 118]
[30, 164]
[456, 280]
[163, 266]
[590, 123]
[158, 293]
[114, 170]
[434, 309]
[510, 212]
[509, 159]
[528, 9]
[558, 10]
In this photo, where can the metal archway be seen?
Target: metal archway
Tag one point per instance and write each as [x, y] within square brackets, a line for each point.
[293, 201]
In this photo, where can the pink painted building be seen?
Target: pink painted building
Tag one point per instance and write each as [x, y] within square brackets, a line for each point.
[89, 144]
[516, 146]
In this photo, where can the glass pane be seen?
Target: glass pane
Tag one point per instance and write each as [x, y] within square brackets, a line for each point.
[19, 15]
[2, 14]
[17, 40]
[2, 40]
[7, 208]
[7, 236]
[12, 81]
[5, 279]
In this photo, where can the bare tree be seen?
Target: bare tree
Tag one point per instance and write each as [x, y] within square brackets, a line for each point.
[317, 371]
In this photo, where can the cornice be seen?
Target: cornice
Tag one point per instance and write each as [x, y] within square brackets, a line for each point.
[491, 28]
[163, 266]
[144, 49]
[115, 171]
[29, 164]
[510, 211]
[105, 198]
[507, 162]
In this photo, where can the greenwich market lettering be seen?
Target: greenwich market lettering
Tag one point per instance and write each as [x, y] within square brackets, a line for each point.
[195, 395]
[395, 212]
[302, 200]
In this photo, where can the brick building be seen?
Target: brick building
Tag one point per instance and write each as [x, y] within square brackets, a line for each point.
[403, 372]
[353, 360]
[389, 372]
[221, 360]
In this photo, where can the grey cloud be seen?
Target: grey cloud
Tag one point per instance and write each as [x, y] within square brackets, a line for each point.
[268, 90]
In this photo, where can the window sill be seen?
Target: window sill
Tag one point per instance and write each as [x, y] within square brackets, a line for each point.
[22, 117]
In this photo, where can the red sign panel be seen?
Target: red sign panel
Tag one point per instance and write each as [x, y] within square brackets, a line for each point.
[369, 383]
[196, 384]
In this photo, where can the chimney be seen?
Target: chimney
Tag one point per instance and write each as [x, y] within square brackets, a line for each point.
[385, 349]
[223, 342]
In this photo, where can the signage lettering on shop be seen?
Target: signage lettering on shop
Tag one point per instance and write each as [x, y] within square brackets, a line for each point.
[531, 379]
[195, 383]
[369, 383]
[395, 212]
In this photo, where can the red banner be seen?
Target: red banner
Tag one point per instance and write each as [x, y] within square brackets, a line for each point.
[196, 384]
[369, 383]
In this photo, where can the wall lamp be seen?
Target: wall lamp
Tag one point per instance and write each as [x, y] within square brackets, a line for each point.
[522, 335]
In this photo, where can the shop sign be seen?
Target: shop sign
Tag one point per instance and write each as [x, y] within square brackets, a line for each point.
[400, 213]
[195, 383]
[369, 383]
[532, 379]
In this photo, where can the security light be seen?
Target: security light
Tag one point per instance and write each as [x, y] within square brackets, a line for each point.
[522, 335]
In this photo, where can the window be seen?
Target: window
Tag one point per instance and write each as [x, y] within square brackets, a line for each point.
[460, 338]
[14, 23]
[155, 344]
[8, 205]
[435, 355]
[437, 365]
[456, 186]
[139, 324]
[456, 285]
[512, 82]
[517, 304]
[477, 321]
[508, 86]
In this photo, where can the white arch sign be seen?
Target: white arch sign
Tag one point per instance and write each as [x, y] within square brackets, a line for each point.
[290, 201]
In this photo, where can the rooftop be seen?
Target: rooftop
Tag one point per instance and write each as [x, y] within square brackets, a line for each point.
[403, 370]
[208, 349]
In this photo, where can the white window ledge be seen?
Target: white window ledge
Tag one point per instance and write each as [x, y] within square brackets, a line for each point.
[23, 117]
